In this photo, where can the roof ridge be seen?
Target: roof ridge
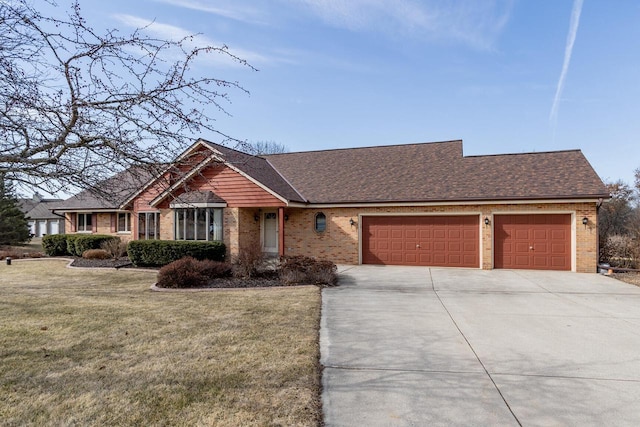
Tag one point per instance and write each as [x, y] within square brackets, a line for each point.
[525, 153]
[364, 148]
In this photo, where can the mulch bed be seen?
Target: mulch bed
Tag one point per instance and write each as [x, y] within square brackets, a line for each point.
[102, 263]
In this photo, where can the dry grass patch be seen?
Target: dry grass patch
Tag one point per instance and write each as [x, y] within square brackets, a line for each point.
[80, 347]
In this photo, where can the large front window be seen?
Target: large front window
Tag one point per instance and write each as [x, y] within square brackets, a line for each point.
[199, 224]
[85, 222]
[148, 225]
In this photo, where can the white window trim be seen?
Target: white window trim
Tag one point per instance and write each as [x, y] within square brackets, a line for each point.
[146, 231]
[127, 222]
[84, 227]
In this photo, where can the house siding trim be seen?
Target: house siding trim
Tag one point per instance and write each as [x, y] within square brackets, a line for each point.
[436, 203]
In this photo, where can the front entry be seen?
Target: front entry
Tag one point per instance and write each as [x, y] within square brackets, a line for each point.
[269, 233]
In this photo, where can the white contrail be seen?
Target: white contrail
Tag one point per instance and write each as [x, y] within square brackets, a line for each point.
[571, 38]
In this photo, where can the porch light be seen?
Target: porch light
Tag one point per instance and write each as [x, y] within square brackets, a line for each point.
[585, 221]
[486, 220]
[256, 217]
[286, 217]
[351, 222]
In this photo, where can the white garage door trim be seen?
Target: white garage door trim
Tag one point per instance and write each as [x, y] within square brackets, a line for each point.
[536, 212]
[395, 214]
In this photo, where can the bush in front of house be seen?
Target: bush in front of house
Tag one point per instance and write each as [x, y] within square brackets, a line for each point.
[248, 262]
[55, 244]
[84, 243]
[70, 239]
[96, 254]
[115, 247]
[156, 253]
[621, 251]
[301, 270]
[189, 272]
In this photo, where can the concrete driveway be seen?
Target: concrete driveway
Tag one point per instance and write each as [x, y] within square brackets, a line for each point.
[431, 346]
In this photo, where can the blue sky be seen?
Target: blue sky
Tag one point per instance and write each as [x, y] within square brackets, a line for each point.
[505, 76]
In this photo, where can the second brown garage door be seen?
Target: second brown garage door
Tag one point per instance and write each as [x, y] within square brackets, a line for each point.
[442, 241]
[537, 241]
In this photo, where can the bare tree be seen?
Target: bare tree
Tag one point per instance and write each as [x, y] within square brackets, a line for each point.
[77, 106]
[615, 213]
[264, 147]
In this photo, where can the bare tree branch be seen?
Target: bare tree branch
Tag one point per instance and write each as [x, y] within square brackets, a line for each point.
[77, 106]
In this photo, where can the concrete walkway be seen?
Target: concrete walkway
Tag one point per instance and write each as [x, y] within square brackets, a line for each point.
[429, 346]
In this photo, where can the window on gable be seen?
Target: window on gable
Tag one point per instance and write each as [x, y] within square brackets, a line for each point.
[320, 223]
[85, 222]
[124, 222]
[199, 224]
[148, 225]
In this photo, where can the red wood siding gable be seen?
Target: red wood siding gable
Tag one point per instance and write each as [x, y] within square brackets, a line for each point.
[236, 189]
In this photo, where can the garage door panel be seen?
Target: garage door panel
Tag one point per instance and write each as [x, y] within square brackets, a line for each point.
[535, 241]
[540, 234]
[439, 234]
[423, 240]
[521, 234]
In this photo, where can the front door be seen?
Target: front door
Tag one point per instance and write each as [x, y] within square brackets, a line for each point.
[270, 232]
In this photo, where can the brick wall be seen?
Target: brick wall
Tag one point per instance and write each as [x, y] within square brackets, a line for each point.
[340, 240]
[103, 226]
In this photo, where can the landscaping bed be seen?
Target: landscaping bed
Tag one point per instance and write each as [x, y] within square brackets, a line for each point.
[102, 263]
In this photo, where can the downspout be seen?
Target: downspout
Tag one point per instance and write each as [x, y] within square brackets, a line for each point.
[598, 205]
[281, 231]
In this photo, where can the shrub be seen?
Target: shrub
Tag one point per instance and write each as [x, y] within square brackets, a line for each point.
[115, 247]
[213, 269]
[162, 252]
[71, 244]
[621, 251]
[306, 270]
[83, 242]
[96, 254]
[248, 262]
[55, 244]
[189, 272]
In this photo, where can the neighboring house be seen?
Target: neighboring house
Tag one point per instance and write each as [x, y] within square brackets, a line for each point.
[41, 219]
[416, 204]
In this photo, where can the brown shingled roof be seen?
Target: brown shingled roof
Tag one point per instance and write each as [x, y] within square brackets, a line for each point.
[436, 172]
[426, 172]
[111, 193]
[259, 169]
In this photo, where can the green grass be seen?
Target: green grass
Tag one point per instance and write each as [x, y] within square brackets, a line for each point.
[80, 347]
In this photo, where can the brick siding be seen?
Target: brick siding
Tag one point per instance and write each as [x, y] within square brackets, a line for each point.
[339, 242]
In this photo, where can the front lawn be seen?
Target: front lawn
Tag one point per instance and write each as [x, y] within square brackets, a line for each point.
[86, 347]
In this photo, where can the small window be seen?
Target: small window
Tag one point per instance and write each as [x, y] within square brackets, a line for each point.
[85, 222]
[320, 224]
[124, 222]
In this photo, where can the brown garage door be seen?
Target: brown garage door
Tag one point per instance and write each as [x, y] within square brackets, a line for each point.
[444, 241]
[541, 242]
